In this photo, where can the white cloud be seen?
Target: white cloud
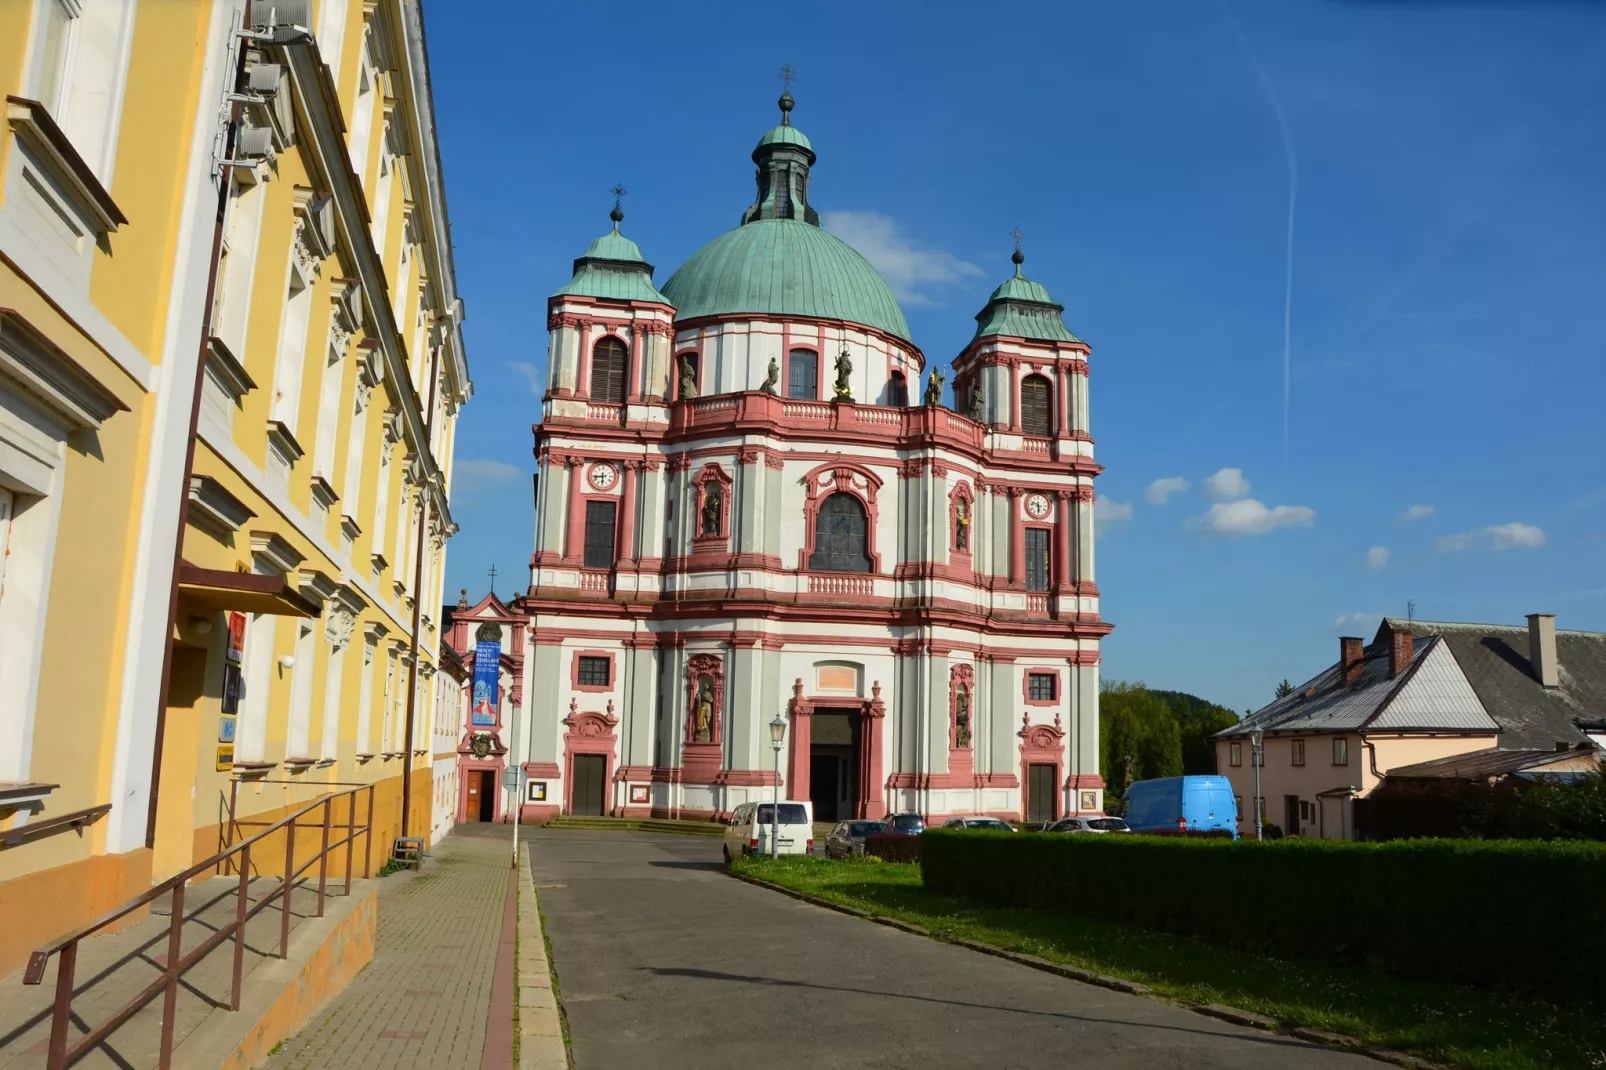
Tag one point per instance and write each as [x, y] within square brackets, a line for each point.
[1250, 517]
[1377, 558]
[1108, 514]
[1161, 489]
[1226, 485]
[1513, 536]
[908, 268]
[1357, 621]
[1416, 512]
[469, 475]
[531, 375]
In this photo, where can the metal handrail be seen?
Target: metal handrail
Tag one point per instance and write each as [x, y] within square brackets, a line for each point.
[59, 1055]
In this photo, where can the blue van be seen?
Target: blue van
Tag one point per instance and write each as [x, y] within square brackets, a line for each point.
[1181, 804]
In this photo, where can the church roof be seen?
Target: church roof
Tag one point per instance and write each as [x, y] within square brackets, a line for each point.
[784, 267]
[613, 267]
[780, 262]
[1021, 308]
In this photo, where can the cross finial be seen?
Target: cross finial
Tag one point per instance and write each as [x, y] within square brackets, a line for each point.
[788, 75]
[618, 212]
[1017, 257]
[493, 579]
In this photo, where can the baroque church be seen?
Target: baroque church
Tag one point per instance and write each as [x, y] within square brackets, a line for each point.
[752, 505]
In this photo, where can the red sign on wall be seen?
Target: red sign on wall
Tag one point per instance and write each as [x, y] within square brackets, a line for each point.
[236, 648]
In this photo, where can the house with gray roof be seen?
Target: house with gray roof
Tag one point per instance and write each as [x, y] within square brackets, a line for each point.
[1421, 691]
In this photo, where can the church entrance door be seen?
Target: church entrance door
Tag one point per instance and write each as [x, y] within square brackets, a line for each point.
[1040, 797]
[482, 795]
[834, 786]
[587, 798]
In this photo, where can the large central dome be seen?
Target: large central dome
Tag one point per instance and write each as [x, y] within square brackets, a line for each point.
[779, 262]
[784, 267]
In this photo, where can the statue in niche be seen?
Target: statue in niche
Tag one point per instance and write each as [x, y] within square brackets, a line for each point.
[844, 370]
[688, 378]
[711, 511]
[934, 388]
[962, 526]
[703, 711]
[978, 399]
[774, 376]
[962, 717]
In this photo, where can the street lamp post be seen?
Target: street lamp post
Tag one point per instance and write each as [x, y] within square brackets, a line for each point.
[1255, 739]
[777, 734]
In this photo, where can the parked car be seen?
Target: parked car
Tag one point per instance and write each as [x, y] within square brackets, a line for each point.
[992, 823]
[749, 830]
[908, 824]
[1181, 804]
[1089, 824]
[847, 839]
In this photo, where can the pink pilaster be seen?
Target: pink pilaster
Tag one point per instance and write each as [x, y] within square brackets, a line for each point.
[626, 550]
[574, 548]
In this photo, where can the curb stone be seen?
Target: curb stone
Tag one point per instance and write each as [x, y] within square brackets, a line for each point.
[541, 1044]
[1214, 1010]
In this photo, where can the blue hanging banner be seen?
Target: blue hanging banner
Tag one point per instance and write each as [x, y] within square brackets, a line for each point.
[487, 665]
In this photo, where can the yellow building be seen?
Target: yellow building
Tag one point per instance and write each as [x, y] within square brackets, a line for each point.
[231, 363]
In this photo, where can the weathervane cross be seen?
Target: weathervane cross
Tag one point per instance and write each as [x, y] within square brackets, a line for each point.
[1017, 235]
[788, 76]
[493, 579]
[618, 192]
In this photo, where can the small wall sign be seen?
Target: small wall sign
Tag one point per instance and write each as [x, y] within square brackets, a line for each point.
[225, 757]
[235, 652]
[231, 689]
[225, 729]
[537, 792]
[1090, 800]
[640, 793]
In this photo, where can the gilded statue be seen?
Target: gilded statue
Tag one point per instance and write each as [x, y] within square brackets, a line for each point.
[711, 511]
[934, 388]
[844, 370]
[703, 712]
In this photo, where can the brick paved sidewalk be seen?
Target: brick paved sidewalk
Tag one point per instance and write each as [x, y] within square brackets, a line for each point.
[424, 1000]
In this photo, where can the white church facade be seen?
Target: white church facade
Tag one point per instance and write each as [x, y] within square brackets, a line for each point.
[748, 506]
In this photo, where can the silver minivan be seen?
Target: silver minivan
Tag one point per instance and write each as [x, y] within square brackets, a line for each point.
[750, 825]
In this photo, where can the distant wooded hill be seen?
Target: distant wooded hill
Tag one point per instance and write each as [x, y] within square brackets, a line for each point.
[1146, 733]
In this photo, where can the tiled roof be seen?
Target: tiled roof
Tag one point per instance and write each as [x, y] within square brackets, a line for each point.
[1494, 658]
[1432, 695]
[1480, 764]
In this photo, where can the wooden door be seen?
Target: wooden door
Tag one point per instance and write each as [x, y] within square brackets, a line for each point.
[1040, 793]
[589, 788]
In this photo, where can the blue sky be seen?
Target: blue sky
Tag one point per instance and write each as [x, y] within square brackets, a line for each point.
[1445, 330]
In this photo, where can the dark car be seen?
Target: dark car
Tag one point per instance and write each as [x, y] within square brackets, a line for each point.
[847, 839]
[907, 824]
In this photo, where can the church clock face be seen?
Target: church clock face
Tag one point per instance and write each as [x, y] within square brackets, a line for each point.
[603, 476]
[1037, 505]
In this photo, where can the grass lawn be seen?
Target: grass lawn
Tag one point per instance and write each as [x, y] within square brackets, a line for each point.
[1462, 1026]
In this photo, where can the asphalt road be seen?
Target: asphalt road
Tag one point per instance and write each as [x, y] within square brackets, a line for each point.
[665, 962]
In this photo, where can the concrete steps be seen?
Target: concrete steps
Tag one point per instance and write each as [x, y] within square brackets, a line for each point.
[645, 824]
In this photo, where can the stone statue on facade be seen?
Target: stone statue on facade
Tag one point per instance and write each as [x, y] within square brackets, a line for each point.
[711, 512]
[934, 388]
[978, 398]
[688, 379]
[703, 712]
[962, 527]
[774, 376]
[962, 718]
[844, 370]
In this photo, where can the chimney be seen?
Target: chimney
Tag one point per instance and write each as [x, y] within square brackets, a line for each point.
[1351, 655]
[1399, 652]
[1542, 648]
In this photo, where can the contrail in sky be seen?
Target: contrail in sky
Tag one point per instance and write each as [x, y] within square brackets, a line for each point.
[1293, 192]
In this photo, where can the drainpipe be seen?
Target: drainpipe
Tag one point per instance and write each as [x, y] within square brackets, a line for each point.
[226, 183]
[418, 602]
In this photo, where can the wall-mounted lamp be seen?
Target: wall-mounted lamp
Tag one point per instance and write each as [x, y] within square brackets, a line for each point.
[202, 625]
[287, 661]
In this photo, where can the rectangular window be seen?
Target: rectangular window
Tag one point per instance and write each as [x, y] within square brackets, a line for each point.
[1041, 686]
[1037, 559]
[1297, 751]
[594, 672]
[1238, 804]
[599, 534]
[803, 375]
[1235, 754]
[55, 55]
[1341, 751]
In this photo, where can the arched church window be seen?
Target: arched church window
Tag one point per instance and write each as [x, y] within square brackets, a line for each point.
[803, 374]
[1036, 406]
[897, 390]
[841, 541]
[608, 370]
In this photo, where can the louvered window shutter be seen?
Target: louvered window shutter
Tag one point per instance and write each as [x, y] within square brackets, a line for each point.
[1036, 412]
[608, 371]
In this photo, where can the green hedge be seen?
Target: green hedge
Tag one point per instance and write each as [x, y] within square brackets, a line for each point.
[1511, 913]
[893, 846]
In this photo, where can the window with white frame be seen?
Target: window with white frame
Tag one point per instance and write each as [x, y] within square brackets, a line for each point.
[332, 35]
[365, 700]
[292, 350]
[236, 268]
[323, 459]
[362, 113]
[299, 738]
[351, 490]
[382, 196]
[329, 740]
[58, 33]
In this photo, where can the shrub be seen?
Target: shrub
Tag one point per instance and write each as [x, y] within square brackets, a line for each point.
[893, 847]
[1470, 911]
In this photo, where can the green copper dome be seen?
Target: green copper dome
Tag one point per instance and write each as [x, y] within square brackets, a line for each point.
[613, 267]
[779, 262]
[784, 267]
[1021, 308]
